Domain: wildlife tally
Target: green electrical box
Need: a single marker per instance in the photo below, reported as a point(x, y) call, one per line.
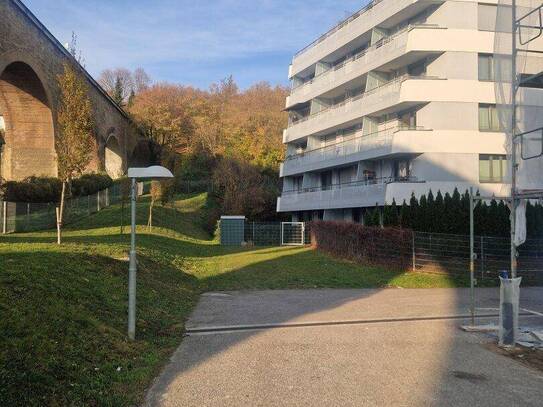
point(232, 230)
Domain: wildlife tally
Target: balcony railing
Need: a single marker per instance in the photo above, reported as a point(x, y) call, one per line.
point(338, 27)
point(391, 86)
point(359, 143)
point(354, 184)
point(368, 51)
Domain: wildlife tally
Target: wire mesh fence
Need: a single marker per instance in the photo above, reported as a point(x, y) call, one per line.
point(267, 233)
point(450, 254)
point(28, 217)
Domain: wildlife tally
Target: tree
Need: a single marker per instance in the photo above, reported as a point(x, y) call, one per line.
point(118, 92)
point(74, 50)
point(75, 144)
point(122, 84)
point(390, 215)
point(405, 220)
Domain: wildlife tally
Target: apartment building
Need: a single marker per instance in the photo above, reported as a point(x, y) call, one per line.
point(397, 99)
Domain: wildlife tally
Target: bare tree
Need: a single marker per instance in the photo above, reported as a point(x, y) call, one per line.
point(122, 84)
point(73, 49)
point(142, 81)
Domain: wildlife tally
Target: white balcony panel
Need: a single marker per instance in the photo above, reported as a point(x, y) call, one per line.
point(394, 141)
point(399, 93)
point(417, 39)
point(370, 195)
point(348, 197)
point(354, 28)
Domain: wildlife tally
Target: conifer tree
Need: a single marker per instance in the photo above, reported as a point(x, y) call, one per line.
point(405, 221)
point(439, 213)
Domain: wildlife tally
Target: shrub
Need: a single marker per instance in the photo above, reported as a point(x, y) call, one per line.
point(89, 184)
point(45, 190)
point(362, 244)
point(32, 189)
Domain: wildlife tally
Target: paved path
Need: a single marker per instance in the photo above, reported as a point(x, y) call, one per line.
point(345, 348)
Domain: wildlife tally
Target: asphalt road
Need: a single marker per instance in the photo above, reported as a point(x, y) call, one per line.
point(346, 348)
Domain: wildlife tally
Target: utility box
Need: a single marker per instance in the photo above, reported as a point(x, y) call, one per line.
point(232, 230)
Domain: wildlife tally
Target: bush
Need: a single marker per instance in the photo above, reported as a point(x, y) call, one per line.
point(89, 184)
point(32, 189)
point(362, 244)
point(45, 190)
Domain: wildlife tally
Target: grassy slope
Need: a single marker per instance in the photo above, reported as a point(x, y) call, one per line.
point(62, 331)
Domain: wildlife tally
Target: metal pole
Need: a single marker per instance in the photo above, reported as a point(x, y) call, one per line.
point(132, 268)
point(514, 89)
point(471, 257)
point(414, 253)
point(482, 257)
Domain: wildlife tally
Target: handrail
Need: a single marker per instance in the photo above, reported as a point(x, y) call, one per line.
point(373, 135)
point(379, 44)
point(339, 26)
point(394, 81)
point(365, 182)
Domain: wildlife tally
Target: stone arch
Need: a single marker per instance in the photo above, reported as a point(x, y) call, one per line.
point(113, 157)
point(29, 133)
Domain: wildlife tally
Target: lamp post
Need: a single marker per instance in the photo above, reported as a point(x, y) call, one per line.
point(150, 173)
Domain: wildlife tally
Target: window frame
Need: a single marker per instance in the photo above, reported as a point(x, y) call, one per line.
point(490, 159)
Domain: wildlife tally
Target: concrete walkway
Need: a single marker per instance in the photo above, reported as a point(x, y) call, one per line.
point(345, 348)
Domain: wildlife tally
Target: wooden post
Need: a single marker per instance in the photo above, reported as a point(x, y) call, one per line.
point(4, 217)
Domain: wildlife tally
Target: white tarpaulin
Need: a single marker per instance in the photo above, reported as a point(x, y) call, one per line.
point(520, 231)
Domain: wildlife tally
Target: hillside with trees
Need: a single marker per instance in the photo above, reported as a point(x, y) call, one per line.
point(225, 139)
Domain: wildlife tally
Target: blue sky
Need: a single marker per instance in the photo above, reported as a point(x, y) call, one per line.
point(193, 42)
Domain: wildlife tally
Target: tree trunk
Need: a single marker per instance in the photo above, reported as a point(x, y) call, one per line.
point(150, 222)
point(122, 215)
point(60, 213)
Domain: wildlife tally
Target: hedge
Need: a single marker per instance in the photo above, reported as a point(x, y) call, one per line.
point(45, 190)
point(363, 244)
point(449, 214)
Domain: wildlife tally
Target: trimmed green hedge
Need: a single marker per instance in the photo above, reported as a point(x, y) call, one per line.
point(45, 190)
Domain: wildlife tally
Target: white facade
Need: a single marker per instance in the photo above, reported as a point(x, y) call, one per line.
point(399, 99)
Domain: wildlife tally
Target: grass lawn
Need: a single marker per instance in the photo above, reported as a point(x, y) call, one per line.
point(63, 308)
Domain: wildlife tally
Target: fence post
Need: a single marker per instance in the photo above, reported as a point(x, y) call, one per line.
point(482, 258)
point(98, 201)
point(4, 217)
point(414, 253)
point(27, 216)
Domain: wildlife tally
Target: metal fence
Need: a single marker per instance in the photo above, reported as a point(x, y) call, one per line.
point(272, 233)
point(450, 254)
point(28, 217)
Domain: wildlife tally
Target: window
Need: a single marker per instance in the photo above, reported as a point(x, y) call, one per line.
point(402, 169)
point(297, 183)
point(408, 120)
point(326, 180)
point(492, 168)
point(417, 69)
point(486, 67)
point(487, 17)
point(488, 118)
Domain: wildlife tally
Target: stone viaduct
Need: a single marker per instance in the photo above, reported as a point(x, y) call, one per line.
point(30, 60)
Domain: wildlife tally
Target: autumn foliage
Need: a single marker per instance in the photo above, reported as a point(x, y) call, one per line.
point(223, 121)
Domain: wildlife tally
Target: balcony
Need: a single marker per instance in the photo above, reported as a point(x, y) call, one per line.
point(361, 147)
point(386, 50)
point(356, 194)
point(371, 102)
point(375, 13)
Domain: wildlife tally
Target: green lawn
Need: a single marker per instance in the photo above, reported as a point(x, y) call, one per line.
point(63, 308)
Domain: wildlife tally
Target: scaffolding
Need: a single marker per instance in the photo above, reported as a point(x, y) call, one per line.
point(518, 70)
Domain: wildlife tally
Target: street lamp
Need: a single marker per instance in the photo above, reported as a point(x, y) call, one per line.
point(155, 172)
